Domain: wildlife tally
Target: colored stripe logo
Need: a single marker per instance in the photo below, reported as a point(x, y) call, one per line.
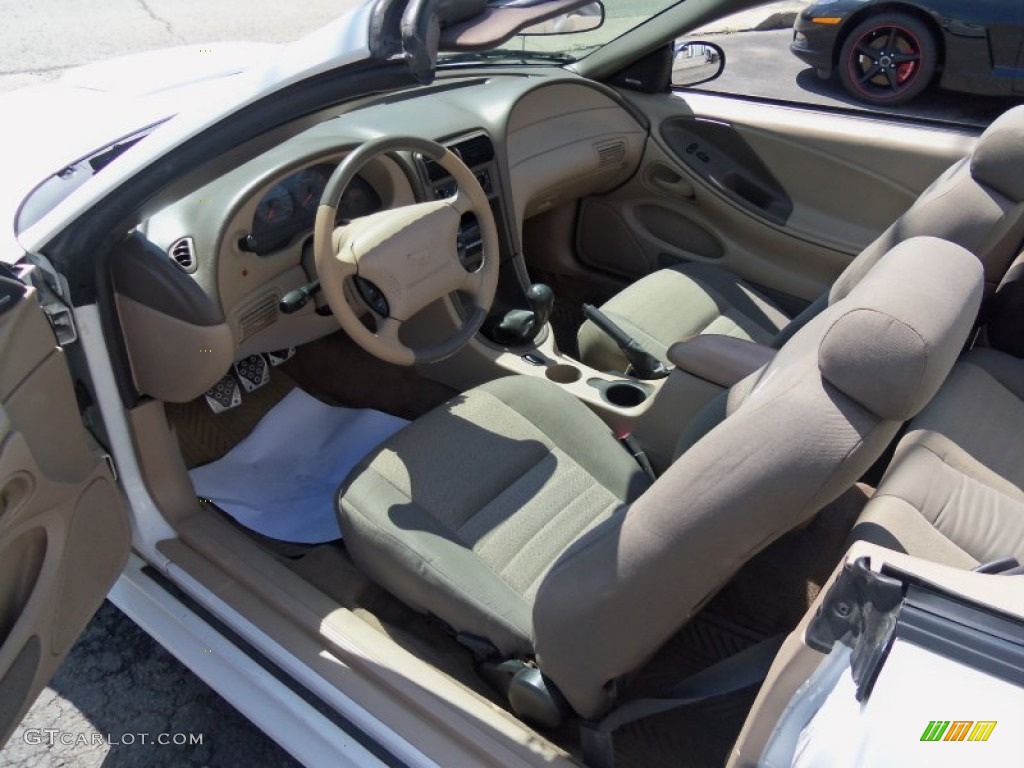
point(958, 730)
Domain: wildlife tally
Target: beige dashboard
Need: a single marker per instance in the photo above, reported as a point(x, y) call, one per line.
point(554, 139)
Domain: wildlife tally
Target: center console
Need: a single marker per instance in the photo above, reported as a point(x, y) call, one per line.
point(516, 339)
point(656, 412)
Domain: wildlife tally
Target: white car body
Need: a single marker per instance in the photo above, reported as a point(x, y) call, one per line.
point(117, 98)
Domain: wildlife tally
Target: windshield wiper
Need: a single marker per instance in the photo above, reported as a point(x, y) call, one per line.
point(519, 57)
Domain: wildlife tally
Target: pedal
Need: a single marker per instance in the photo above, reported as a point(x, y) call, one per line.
point(224, 395)
point(280, 356)
point(252, 372)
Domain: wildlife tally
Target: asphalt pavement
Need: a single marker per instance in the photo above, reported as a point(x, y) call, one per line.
point(117, 696)
point(39, 40)
point(759, 64)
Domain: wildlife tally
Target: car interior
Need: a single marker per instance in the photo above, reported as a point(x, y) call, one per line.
point(642, 367)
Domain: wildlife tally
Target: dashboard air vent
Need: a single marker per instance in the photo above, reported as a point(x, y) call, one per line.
point(183, 252)
point(474, 152)
point(611, 152)
point(258, 316)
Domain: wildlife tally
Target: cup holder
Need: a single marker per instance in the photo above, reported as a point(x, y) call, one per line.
point(624, 395)
point(563, 374)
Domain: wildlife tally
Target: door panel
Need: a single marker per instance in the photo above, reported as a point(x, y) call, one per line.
point(64, 532)
point(783, 196)
point(719, 155)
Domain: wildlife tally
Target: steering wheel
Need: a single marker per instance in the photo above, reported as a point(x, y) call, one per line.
point(403, 259)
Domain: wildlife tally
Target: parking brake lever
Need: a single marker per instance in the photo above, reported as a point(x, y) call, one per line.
point(643, 364)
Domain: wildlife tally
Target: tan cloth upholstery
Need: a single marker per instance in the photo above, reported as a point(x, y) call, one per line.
point(953, 492)
point(512, 513)
point(977, 203)
point(462, 512)
point(792, 444)
point(671, 305)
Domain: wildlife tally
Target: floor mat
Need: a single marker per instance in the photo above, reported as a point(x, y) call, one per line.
point(338, 371)
point(280, 481)
point(697, 736)
point(204, 437)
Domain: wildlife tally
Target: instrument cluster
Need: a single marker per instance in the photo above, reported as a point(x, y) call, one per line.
point(287, 211)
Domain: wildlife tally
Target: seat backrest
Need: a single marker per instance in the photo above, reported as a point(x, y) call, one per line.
point(977, 203)
point(796, 435)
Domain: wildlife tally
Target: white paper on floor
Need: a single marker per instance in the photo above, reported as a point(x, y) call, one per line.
point(281, 480)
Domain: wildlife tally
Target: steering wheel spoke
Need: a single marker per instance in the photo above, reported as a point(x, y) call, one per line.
point(473, 282)
point(388, 329)
point(461, 202)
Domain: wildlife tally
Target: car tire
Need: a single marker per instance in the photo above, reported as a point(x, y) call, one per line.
point(888, 59)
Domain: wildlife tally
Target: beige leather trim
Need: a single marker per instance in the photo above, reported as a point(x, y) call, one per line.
point(565, 142)
point(871, 173)
point(162, 467)
point(64, 530)
point(722, 360)
point(171, 359)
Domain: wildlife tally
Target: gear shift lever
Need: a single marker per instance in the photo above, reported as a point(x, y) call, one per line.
point(542, 301)
point(521, 326)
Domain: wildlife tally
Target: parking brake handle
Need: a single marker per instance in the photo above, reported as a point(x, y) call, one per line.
point(643, 364)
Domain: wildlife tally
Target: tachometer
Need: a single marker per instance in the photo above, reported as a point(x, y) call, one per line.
point(275, 208)
point(360, 199)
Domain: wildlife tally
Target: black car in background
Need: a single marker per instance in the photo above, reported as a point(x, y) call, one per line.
point(888, 52)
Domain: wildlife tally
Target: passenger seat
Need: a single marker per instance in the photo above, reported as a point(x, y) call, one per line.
point(954, 491)
point(978, 203)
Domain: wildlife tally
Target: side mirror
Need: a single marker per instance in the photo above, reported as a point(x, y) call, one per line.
point(585, 19)
point(695, 63)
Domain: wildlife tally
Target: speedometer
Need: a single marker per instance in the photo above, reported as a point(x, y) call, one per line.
point(309, 186)
point(275, 208)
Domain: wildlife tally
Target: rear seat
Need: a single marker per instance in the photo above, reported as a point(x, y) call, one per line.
point(954, 492)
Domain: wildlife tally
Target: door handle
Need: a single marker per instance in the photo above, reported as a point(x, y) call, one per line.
point(751, 194)
point(669, 182)
point(14, 491)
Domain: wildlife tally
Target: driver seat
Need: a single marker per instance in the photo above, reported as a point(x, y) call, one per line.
point(513, 514)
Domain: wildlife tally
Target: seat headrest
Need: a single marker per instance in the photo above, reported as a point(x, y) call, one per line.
point(896, 336)
point(998, 157)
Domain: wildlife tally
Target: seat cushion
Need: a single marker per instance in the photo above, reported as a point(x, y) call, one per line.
point(674, 304)
point(462, 512)
point(953, 492)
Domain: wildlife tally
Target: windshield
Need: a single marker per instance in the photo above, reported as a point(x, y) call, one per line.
point(620, 17)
